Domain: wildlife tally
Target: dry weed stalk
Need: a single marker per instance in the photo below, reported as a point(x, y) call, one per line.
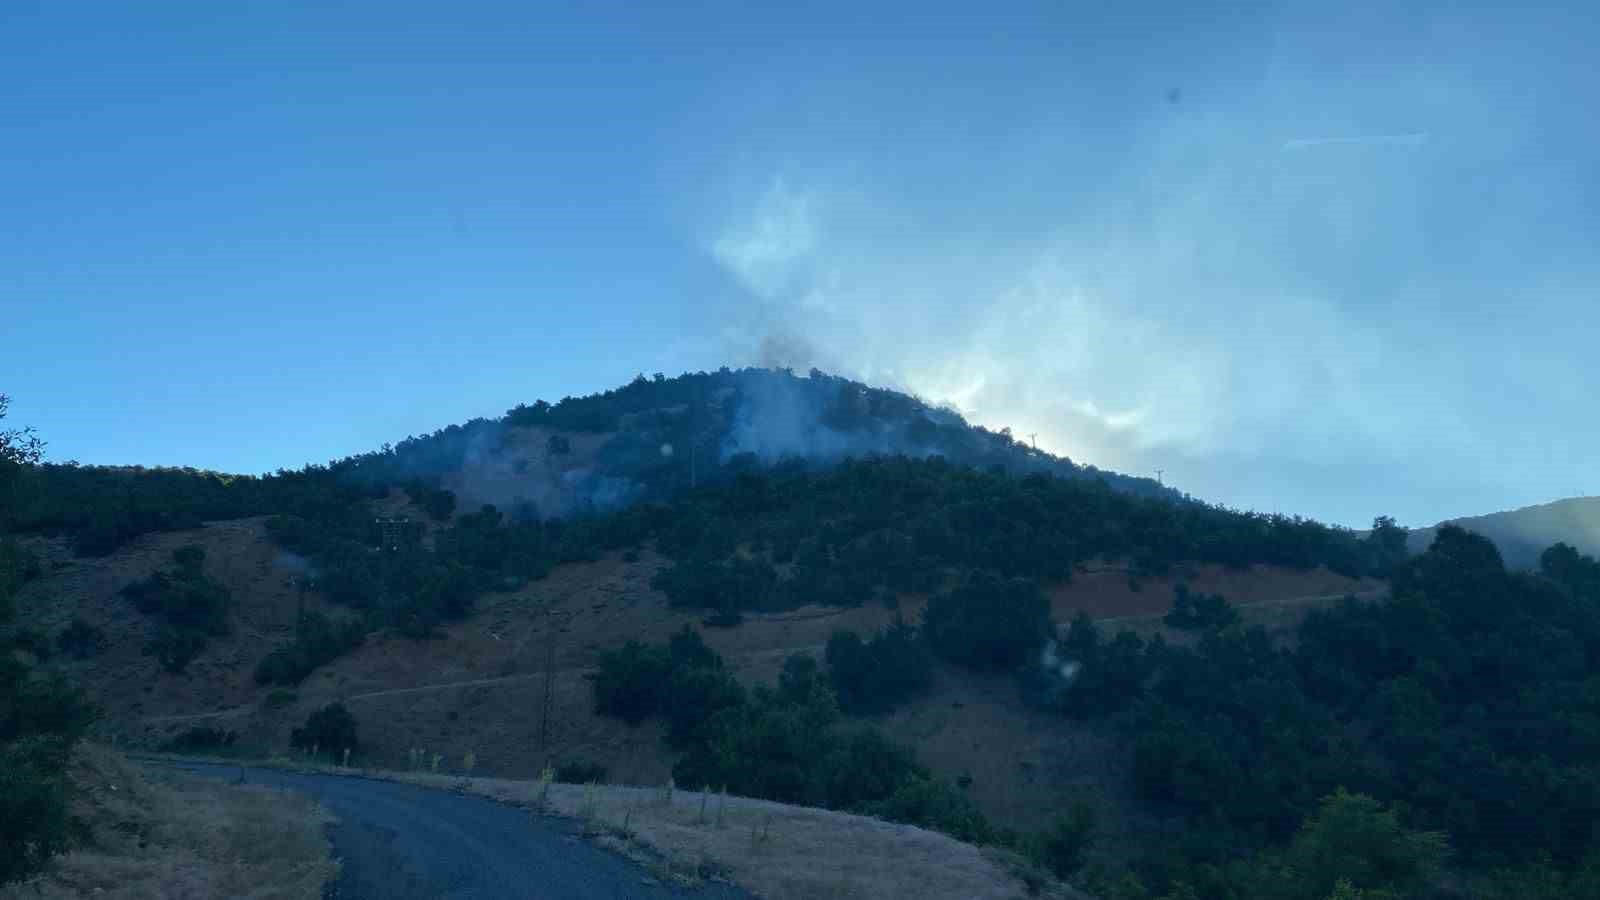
point(590, 808)
point(545, 777)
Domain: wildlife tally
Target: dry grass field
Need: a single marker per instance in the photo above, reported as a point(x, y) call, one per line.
point(157, 834)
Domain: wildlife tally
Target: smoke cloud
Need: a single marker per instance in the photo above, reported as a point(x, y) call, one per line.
point(295, 564)
point(1389, 313)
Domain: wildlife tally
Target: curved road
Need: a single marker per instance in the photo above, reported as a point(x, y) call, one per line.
point(407, 842)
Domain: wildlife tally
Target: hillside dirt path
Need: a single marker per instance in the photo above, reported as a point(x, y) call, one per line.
point(1309, 600)
point(754, 656)
point(471, 682)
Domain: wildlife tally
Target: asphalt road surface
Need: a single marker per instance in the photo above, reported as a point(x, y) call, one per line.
point(406, 842)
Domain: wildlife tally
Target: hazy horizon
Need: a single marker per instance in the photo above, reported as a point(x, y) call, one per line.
point(1299, 258)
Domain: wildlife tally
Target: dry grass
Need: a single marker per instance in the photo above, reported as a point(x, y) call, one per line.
point(773, 850)
point(155, 834)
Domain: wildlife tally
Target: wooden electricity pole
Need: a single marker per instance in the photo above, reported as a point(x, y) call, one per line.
point(549, 685)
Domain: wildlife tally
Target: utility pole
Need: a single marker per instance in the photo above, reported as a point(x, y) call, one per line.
point(1034, 440)
point(549, 679)
point(1159, 473)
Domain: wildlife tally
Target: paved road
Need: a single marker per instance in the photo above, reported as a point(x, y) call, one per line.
point(406, 842)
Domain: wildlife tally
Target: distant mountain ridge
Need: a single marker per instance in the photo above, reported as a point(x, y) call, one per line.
point(1522, 534)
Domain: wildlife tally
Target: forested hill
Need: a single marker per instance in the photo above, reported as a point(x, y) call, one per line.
point(648, 441)
point(655, 436)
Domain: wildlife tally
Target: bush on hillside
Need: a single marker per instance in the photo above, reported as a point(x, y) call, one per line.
point(81, 640)
point(1082, 675)
point(331, 730)
point(31, 640)
point(318, 641)
point(988, 623)
point(278, 698)
point(34, 804)
point(174, 649)
point(438, 504)
point(631, 682)
point(201, 739)
point(777, 743)
point(921, 799)
point(1193, 611)
point(580, 771)
point(694, 695)
point(1062, 848)
point(191, 606)
point(683, 681)
point(875, 675)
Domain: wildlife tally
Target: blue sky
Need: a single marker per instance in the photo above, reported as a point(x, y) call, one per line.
point(1307, 257)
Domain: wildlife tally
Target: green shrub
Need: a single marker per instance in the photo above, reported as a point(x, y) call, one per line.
point(579, 771)
point(1084, 676)
point(874, 676)
point(318, 641)
point(989, 622)
point(933, 803)
point(631, 682)
point(1061, 849)
point(192, 606)
point(1194, 611)
point(694, 694)
point(40, 717)
point(175, 649)
point(201, 739)
point(683, 680)
point(34, 803)
point(278, 698)
point(330, 729)
point(81, 640)
point(437, 503)
point(32, 640)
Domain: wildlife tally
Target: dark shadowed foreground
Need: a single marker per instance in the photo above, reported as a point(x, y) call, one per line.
point(405, 842)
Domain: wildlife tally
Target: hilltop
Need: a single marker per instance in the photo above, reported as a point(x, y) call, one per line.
point(1522, 534)
point(657, 436)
